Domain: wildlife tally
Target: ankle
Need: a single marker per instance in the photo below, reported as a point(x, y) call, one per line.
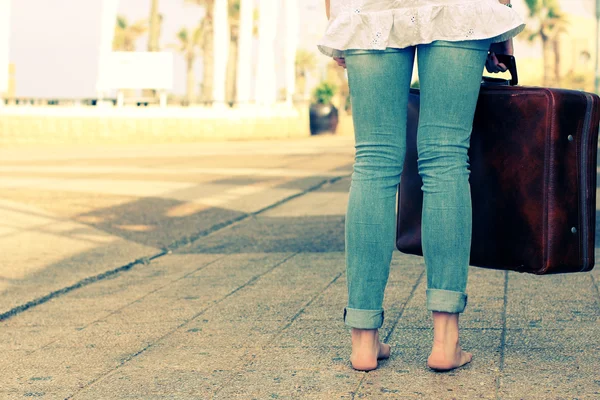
point(445, 343)
point(368, 335)
point(364, 332)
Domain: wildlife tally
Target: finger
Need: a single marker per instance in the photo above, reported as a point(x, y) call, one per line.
point(340, 61)
point(494, 63)
point(490, 66)
point(498, 66)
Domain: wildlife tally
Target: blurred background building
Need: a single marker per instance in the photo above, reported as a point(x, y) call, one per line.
point(54, 46)
point(229, 53)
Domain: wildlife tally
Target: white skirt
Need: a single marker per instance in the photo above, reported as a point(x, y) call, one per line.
point(378, 24)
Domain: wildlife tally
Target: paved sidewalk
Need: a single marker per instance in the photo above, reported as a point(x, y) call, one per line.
point(251, 308)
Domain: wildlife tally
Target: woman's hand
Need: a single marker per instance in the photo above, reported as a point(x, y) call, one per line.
point(492, 64)
point(341, 61)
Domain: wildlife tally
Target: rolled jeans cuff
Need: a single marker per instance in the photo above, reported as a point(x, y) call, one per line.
point(363, 319)
point(446, 301)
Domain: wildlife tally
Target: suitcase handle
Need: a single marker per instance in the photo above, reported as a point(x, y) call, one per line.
point(511, 64)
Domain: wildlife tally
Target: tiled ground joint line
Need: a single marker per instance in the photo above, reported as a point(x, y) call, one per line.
point(279, 332)
point(231, 223)
point(502, 337)
point(160, 339)
point(137, 300)
point(82, 283)
point(597, 290)
point(301, 311)
point(178, 244)
point(403, 307)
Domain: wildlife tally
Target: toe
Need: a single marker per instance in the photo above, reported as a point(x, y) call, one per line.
point(384, 350)
point(467, 358)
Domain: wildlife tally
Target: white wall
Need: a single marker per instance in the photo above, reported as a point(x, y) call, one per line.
point(54, 45)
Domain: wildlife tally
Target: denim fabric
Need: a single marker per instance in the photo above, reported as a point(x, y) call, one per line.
point(450, 76)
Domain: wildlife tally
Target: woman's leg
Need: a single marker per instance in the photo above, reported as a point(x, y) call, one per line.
point(379, 84)
point(450, 79)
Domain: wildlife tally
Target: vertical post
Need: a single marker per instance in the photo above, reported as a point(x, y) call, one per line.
point(4, 47)
point(154, 29)
point(244, 67)
point(120, 98)
point(267, 31)
point(107, 35)
point(291, 46)
point(221, 50)
point(597, 81)
point(163, 99)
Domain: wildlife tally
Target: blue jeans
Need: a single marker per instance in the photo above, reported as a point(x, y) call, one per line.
point(450, 77)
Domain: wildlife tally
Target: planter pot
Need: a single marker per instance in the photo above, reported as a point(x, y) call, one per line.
point(323, 118)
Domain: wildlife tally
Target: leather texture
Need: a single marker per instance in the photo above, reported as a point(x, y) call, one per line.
point(533, 180)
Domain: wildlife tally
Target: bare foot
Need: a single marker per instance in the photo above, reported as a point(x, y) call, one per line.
point(367, 349)
point(445, 357)
point(446, 353)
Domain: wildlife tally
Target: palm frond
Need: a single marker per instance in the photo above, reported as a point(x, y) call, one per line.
point(183, 35)
point(121, 22)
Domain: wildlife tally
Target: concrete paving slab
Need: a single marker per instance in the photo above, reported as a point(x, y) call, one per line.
point(552, 287)
point(564, 339)
point(12, 357)
point(266, 235)
point(537, 313)
point(290, 384)
point(295, 268)
point(313, 204)
point(471, 338)
point(207, 331)
point(408, 382)
point(155, 382)
point(408, 377)
point(550, 373)
point(330, 304)
point(45, 248)
point(127, 338)
point(59, 371)
point(276, 358)
point(102, 299)
point(29, 338)
point(255, 310)
point(315, 333)
point(65, 205)
point(122, 339)
point(204, 359)
point(485, 289)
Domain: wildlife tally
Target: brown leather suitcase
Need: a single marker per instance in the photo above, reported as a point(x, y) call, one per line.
point(533, 180)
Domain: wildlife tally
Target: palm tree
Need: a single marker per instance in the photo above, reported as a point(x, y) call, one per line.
point(234, 35)
point(155, 27)
point(189, 45)
point(126, 35)
point(306, 63)
point(232, 63)
point(549, 23)
point(207, 47)
point(155, 23)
